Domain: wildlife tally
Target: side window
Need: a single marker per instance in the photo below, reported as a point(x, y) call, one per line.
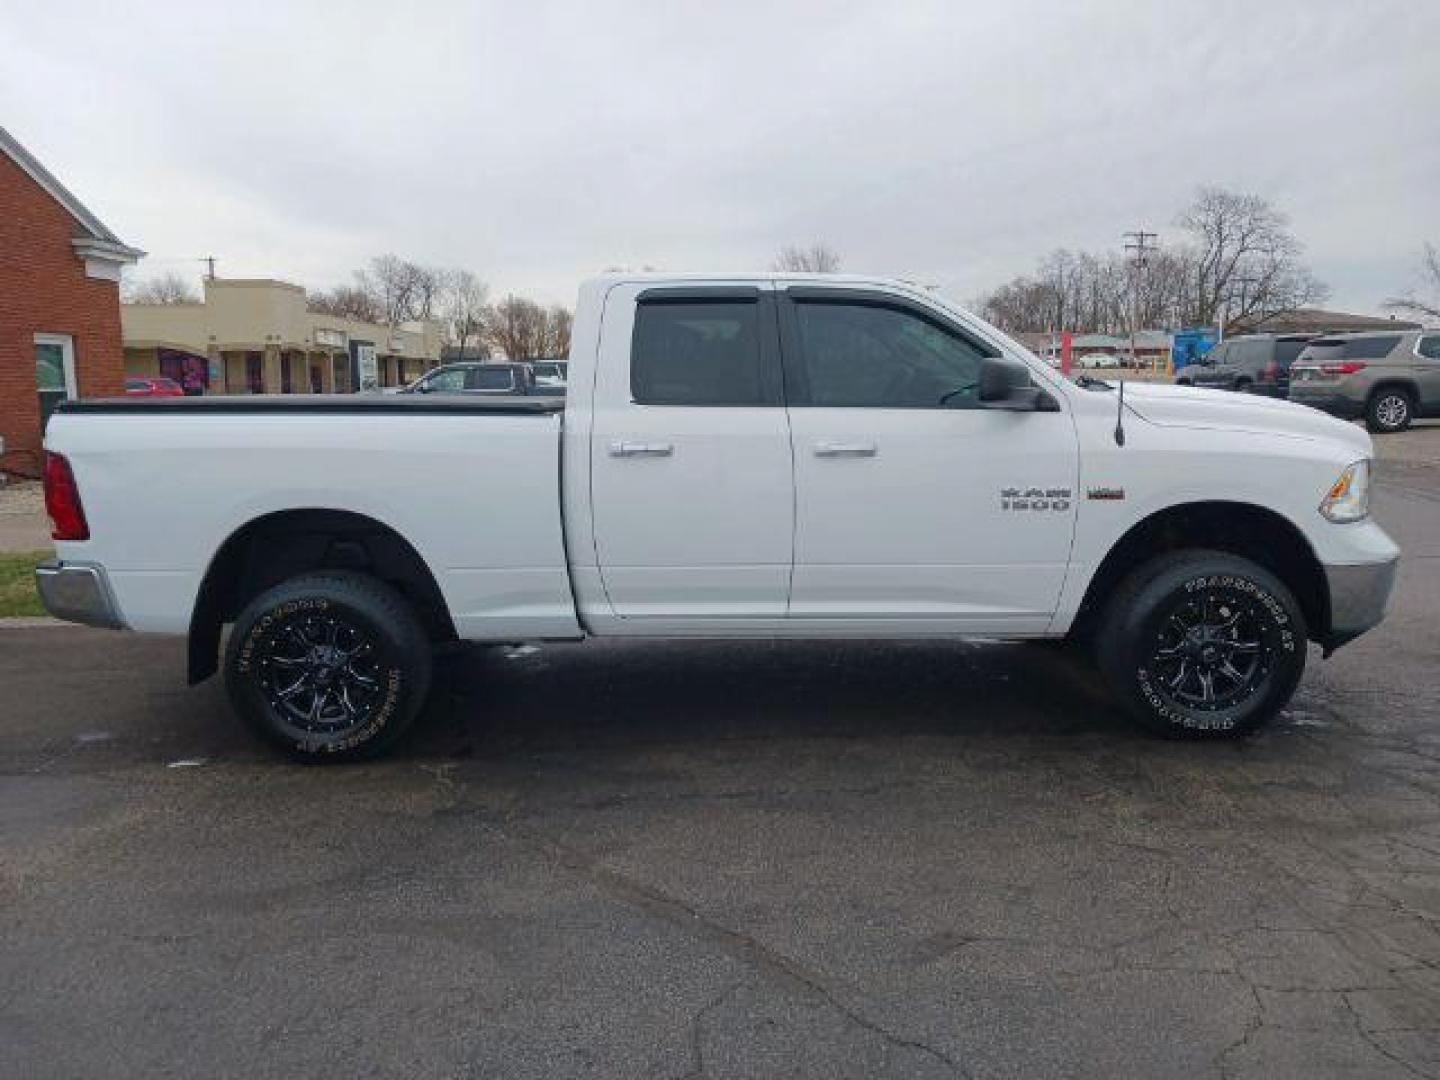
point(870, 355)
point(1429, 347)
point(1217, 355)
point(698, 352)
point(495, 378)
point(1370, 348)
point(446, 382)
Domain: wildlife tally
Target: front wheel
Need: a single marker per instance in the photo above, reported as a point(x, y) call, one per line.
point(1201, 644)
point(330, 666)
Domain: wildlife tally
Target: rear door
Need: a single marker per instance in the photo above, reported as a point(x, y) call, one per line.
point(691, 481)
point(915, 508)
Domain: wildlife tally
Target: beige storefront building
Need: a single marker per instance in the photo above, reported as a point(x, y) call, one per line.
point(256, 336)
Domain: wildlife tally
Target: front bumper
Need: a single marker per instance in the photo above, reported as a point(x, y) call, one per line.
point(78, 593)
point(1358, 595)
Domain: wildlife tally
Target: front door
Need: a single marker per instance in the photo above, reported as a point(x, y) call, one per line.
point(915, 507)
point(691, 479)
point(54, 372)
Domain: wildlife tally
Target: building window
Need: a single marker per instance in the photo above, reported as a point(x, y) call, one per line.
point(286, 386)
point(54, 372)
point(255, 373)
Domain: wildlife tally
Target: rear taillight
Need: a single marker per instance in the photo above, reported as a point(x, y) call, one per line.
point(1348, 367)
point(62, 501)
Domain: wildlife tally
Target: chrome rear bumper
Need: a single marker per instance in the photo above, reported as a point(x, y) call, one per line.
point(78, 593)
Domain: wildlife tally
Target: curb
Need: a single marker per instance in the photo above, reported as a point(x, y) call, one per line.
point(32, 622)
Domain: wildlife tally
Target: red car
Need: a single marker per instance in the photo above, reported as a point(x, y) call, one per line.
point(153, 388)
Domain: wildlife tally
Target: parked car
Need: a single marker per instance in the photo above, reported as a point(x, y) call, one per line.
point(1252, 363)
point(550, 374)
point(1100, 360)
point(1388, 377)
point(153, 387)
point(476, 378)
point(763, 456)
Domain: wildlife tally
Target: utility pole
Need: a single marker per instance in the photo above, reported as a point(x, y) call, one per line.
point(1140, 243)
point(209, 261)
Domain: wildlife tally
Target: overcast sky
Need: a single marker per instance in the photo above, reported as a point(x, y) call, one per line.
point(949, 142)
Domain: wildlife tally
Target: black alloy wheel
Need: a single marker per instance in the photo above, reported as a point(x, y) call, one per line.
point(330, 666)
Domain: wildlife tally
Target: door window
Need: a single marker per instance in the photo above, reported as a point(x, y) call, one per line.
point(482, 378)
point(698, 352)
point(451, 381)
point(873, 355)
point(1429, 347)
point(54, 372)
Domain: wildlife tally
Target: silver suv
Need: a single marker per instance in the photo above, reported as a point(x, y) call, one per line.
point(1388, 377)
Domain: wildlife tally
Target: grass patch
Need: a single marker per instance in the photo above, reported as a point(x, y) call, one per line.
point(17, 583)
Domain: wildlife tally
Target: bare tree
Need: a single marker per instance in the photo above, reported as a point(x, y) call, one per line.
point(347, 302)
point(1426, 307)
point(167, 288)
point(523, 330)
point(558, 322)
point(462, 301)
point(818, 258)
point(1246, 260)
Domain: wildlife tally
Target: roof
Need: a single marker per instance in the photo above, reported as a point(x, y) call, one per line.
point(1318, 321)
point(98, 240)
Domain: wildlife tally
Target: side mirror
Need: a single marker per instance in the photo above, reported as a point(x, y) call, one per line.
point(1005, 384)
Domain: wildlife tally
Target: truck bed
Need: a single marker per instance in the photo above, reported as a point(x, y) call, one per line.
point(472, 485)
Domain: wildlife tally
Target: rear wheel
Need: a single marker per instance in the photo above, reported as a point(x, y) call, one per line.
point(328, 666)
point(1201, 644)
point(1389, 409)
point(1243, 386)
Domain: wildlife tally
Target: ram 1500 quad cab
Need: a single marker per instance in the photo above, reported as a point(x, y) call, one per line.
point(776, 456)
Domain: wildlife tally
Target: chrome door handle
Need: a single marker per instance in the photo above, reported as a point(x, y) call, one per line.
point(641, 449)
point(825, 448)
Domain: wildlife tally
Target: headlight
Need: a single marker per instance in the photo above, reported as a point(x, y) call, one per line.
point(1349, 497)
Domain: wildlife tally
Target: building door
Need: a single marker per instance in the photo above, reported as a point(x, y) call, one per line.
point(54, 372)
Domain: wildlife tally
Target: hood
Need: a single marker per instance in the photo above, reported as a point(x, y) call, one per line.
point(1224, 410)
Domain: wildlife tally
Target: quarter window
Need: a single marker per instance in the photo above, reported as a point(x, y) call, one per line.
point(876, 356)
point(1430, 346)
point(697, 352)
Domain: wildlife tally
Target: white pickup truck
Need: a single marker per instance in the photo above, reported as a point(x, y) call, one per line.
point(738, 456)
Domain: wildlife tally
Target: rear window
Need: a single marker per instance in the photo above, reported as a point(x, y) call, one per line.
point(697, 352)
point(1370, 348)
point(1321, 349)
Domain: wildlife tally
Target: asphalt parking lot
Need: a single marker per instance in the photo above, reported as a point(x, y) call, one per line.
point(730, 860)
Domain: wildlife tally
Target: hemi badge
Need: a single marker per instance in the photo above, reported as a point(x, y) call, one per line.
point(1105, 493)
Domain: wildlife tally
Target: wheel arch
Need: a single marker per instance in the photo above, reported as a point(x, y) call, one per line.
point(1394, 382)
point(1250, 531)
point(279, 545)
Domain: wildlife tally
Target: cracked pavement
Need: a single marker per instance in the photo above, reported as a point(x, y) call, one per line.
point(682, 860)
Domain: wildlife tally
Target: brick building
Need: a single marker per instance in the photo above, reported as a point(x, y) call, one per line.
point(59, 303)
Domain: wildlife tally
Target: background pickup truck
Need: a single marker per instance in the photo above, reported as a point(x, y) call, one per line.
point(767, 455)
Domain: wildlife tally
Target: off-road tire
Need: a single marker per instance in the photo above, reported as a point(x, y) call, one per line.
point(354, 644)
point(1202, 608)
